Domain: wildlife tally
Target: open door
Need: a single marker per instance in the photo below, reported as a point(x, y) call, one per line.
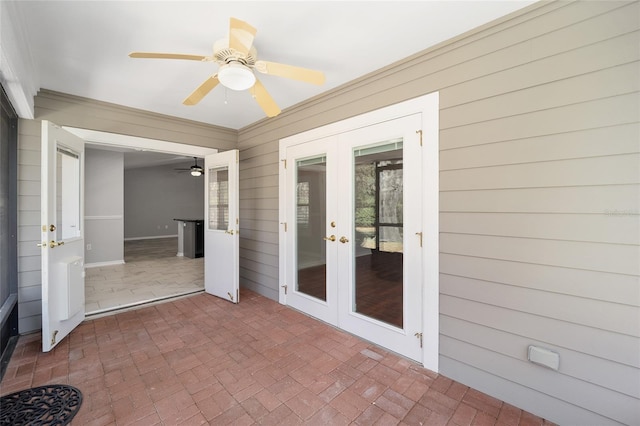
point(62, 242)
point(221, 240)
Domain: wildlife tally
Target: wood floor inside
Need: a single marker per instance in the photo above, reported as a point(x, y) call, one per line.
point(378, 285)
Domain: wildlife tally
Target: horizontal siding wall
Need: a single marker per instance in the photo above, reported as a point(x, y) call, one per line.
point(75, 111)
point(67, 110)
point(29, 262)
point(539, 196)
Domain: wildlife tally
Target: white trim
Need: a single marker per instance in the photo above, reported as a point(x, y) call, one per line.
point(17, 73)
point(138, 143)
point(412, 106)
point(155, 237)
point(100, 264)
point(105, 217)
point(428, 106)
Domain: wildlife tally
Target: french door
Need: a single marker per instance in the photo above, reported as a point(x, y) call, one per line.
point(221, 237)
point(62, 236)
point(354, 233)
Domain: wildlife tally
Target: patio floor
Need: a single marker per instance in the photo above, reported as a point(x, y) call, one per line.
point(202, 360)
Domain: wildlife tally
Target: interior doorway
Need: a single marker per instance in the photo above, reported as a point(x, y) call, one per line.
point(149, 269)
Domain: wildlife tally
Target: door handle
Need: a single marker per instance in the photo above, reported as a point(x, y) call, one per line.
point(331, 238)
point(53, 244)
point(44, 244)
point(229, 231)
point(344, 240)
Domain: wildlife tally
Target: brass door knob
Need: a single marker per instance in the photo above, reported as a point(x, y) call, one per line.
point(331, 238)
point(344, 240)
point(53, 244)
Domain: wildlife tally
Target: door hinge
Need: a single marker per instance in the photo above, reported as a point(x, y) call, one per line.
point(419, 132)
point(284, 162)
point(285, 289)
point(419, 336)
point(419, 234)
point(285, 225)
point(237, 156)
point(237, 295)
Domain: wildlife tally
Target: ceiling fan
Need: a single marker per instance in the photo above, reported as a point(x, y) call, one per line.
point(195, 170)
point(237, 58)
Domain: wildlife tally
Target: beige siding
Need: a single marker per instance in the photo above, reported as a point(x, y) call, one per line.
point(74, 111)
point(29, 280)
point(539, 196)
point(67, 110)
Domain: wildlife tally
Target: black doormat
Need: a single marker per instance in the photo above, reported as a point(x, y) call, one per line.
point(44, 405)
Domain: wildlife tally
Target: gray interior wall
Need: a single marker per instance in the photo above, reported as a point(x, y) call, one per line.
point(68, 110)
point(104, 207)
point(154, 196)
point(539, 174)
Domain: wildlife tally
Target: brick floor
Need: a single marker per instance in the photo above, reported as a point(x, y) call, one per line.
point(202, 360)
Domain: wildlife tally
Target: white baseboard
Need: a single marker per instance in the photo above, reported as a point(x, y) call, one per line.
point(99, 264)
point(151, 238)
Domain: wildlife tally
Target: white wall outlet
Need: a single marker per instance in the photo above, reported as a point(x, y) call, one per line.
point(88, 247)
point(544, 357)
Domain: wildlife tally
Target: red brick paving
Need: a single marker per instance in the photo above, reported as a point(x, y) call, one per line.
point(201, 360)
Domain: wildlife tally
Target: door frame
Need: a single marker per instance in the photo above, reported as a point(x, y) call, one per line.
point(106, 139)
point(428, 106)
point(135, 142)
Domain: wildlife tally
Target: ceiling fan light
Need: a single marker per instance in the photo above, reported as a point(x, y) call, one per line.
point(196, 172)
point(236, 76)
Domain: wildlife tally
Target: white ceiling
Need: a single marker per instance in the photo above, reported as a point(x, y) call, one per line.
point(81, 47)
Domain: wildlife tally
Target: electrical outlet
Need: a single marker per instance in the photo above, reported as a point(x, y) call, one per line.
point(166, 227)
point(88, 247)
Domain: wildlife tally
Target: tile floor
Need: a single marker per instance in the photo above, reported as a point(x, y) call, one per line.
point(202, 360)
point(152, 271)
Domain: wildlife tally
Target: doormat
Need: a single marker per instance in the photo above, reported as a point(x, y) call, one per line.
point(44, 405)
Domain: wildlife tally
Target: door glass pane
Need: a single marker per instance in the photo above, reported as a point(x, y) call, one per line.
point(311, 179)
point(378, 200)
point(218, 199)
point(67, 194)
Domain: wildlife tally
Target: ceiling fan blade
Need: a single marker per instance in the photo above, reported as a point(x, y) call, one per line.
point(265, 100)
point(289, 71)
point(202, 90)
point(241, 35)
point(153, 55)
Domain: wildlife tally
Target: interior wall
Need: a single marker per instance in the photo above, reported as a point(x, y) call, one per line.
point(154, 196)
point(104, 207)
point(539, 188)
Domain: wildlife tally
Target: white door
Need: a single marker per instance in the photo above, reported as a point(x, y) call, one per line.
point(221, 239)
point(62, 175)
point(311, 187)
point(380, 237)
point(354, 232)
